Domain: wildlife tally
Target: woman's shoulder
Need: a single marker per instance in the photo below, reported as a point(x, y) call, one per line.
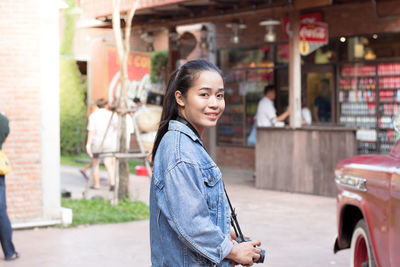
point(176, 146)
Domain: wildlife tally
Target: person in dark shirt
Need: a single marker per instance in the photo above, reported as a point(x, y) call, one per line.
point(322, 109)
point(322, 103)
point(5, 225)
point(4, 129)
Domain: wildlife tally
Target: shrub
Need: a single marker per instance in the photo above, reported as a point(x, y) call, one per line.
point(158, 66)
point(72, 106)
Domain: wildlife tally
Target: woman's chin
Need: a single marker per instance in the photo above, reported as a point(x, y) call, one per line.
point(210, 123)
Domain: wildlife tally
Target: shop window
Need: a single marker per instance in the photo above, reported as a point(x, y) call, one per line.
point(282, 54)
point(369, 47)
point(246, 58)
point(246, 73)
point(323, 55)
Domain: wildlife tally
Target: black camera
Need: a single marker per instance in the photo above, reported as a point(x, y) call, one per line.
point(262, 253)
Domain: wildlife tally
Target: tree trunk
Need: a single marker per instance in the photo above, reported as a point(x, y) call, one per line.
point(123, 49)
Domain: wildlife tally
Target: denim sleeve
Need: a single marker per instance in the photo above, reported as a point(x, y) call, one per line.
point(187, 212)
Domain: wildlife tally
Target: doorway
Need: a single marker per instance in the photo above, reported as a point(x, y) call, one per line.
point(318, 92)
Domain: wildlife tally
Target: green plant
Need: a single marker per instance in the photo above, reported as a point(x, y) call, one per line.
point(72, 105)
point(100, 211)
point(159, 60)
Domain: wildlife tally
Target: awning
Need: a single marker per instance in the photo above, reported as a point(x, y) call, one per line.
point(181, 12)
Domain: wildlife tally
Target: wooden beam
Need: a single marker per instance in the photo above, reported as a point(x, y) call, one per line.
point(295, 71)
point(307, 4)
point(213, 16)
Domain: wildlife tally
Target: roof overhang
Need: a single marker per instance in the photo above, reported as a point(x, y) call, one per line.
point(183, 12)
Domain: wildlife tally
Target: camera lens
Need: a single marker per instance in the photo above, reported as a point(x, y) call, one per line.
point(262, 256)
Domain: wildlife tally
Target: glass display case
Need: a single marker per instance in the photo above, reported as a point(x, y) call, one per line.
point(243, 89)
point(369, 98)
point(246, 73)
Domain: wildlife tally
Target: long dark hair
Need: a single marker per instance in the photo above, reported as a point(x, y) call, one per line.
point(180, 80)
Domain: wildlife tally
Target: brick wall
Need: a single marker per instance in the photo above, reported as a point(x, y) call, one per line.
point(236, 157)
point(20, 101)
point(357, 19)
point(343, 20)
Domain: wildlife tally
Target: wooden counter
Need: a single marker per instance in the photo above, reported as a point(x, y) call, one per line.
point(302, 160)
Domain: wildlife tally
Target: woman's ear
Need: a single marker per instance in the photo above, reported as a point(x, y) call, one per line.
point(179, 98)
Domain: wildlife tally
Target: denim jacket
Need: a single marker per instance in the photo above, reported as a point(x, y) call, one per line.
point(189, 212)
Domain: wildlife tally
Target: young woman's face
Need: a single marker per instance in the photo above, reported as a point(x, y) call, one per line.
point(204, 101)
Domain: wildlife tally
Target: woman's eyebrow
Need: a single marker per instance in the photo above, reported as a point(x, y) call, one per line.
point(209, 89)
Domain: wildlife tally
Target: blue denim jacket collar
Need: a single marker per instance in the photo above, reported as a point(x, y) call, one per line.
point(180, 127)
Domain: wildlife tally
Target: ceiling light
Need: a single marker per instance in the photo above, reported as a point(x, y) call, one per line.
point(236, 27)
point(375, 36)
point(270, 36)
point(342, 39)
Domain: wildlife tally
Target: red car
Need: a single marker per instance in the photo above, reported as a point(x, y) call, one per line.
point(368, 209)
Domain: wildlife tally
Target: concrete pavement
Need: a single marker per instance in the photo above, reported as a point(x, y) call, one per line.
point(295, 229)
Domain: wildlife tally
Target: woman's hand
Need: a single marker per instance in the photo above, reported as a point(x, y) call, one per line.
point(234, 236)
point(245, 253)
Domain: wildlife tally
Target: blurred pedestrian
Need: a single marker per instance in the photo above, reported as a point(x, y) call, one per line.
point(189, 212)
point(322, 103)
point(5, 225)
point(306, 118)
point(266, 112)
point(139, 104)
point(102, 138)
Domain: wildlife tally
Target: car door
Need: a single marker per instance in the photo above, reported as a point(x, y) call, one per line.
point(394, 221)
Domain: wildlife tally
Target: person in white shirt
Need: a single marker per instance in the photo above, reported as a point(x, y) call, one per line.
point(306, 117)
point(102, 138)
point(266, 112)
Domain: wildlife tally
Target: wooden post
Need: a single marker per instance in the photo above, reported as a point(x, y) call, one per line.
point(173, 53)
point(295, 71)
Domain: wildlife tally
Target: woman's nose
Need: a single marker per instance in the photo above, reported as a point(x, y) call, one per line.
point(213, 102)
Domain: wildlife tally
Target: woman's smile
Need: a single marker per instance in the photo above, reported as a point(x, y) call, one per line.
point(212, 115)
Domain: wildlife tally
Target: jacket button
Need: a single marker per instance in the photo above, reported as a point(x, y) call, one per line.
point(210, 179)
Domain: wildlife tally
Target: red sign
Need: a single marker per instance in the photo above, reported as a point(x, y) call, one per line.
point(305, 18)
point(138, 67)
point(138, 64)
point(316, 32)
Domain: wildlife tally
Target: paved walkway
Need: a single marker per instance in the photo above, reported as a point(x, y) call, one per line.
point(295, 229)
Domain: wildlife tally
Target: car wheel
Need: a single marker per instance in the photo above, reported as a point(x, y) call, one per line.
point(361, 250)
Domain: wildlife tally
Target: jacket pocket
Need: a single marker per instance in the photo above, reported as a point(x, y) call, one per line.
point(212, 179)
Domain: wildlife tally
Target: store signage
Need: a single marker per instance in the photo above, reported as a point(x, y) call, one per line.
point(312, 36)
point(138, 73)
point(315, 32)
point(305, 18)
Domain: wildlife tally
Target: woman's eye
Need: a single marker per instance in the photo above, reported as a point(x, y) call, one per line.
point(220, 96)
point(204, 94)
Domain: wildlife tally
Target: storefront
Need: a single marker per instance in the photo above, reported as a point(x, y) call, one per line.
point(353, 81)
point(349, 84)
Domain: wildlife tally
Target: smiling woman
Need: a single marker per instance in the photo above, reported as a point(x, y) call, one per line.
point(204, 102)
point(189, 212)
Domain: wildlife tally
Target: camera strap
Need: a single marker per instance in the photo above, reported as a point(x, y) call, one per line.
point(234, 220)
